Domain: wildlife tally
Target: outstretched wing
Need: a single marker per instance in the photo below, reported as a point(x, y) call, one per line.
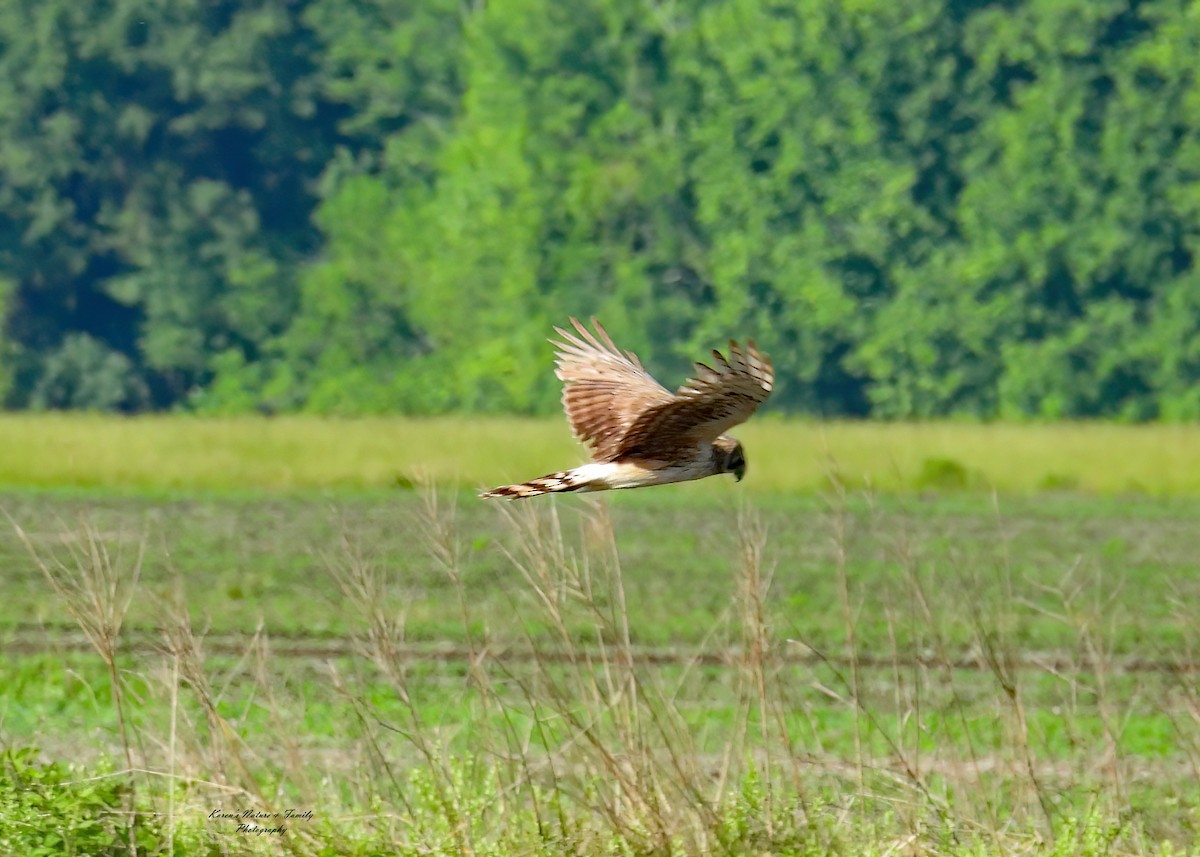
point(705, 407)
point(605, 390)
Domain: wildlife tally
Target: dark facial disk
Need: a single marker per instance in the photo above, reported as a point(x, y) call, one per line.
point(736, 463)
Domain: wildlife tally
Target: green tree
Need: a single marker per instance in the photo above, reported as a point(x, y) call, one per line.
point(919, 207)
point(555, 192)
point(156, 175)
point(817, 159)
point(1061, 295)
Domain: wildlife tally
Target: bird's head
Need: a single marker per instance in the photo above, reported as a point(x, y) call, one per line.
point(731, 456)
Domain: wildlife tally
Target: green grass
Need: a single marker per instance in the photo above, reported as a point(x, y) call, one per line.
point(786, 456)
point(710, 668)
point(898, 596)
point(245, 560)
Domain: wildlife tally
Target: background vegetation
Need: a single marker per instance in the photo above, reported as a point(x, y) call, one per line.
point(787, 458)
point(654, 673)
point(920, 207)
point(958, 638)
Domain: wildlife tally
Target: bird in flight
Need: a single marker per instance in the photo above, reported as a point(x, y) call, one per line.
point(639, 432)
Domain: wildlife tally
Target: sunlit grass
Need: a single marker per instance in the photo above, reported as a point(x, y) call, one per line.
point(875, 680)
point(786, 456)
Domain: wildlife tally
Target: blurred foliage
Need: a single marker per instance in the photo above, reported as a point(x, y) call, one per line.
point(49, 809)
point(919, 207)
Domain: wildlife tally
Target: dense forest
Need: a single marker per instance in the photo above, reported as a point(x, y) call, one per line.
point(919, 207)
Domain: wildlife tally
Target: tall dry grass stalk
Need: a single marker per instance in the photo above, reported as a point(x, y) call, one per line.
point(226, 757)
point(591, 745)
point(592, 722)
point(364, 585)
point(96, 587)
point(616, 737)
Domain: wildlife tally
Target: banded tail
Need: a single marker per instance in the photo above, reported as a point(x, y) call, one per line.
point(564, 480)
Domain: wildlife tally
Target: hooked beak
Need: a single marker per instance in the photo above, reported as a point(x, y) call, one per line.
point(739, 472)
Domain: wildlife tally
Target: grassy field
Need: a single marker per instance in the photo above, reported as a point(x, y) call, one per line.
point(786, 457)
point(267, 616)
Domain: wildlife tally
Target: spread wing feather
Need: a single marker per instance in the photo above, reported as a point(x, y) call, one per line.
point(605, 390)
point(617, 408)
point(711, 402)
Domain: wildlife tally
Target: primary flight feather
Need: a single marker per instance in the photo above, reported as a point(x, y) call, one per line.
point(639, 432)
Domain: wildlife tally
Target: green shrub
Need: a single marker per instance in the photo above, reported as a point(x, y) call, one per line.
point(943, 474)
point(47, 808)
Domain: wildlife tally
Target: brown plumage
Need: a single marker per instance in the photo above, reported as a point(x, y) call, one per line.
point(639, 432)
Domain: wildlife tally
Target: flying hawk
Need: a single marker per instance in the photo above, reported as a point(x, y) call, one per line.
point(639, 432)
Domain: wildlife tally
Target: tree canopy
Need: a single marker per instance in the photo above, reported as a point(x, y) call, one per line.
point(919, 207)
